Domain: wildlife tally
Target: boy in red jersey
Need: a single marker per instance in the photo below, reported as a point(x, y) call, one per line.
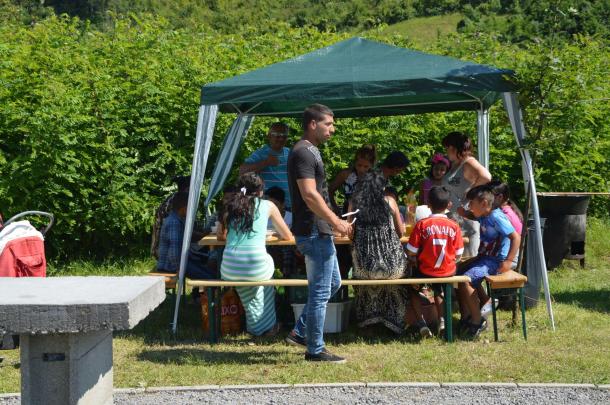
point(435, 245)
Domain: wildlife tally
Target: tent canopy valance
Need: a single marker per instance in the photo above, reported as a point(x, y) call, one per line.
point(359, 77)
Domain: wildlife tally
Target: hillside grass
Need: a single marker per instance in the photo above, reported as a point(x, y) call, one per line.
point(424, 30)
point(577, 352)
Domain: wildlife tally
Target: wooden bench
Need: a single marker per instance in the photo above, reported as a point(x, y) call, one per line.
point(212, 286)
point(170, 279)
point(509, 280)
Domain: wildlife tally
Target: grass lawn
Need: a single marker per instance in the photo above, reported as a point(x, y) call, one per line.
point(577, 352)
point(424, 30)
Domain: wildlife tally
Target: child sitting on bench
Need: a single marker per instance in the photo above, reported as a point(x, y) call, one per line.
point(435, 245)
point(497, 251)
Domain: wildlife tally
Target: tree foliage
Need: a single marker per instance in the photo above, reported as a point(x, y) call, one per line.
point(94, 123)
point(527, 19)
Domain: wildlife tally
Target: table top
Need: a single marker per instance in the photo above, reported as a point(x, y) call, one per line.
point(210, 240)
point(76, 304)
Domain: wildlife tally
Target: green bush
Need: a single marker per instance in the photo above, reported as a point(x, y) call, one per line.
point(93, 124)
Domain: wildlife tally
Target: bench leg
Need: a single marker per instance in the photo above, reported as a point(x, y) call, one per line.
point(448, 313)
point(183, 292)
point(218, 296)
point(522, 305)
point(211, 292)
point(493, 312)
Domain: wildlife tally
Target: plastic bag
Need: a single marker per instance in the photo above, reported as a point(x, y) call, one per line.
point(231, 313)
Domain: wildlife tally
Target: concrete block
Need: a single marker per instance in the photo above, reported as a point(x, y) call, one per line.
point(32, 305)
point(65, 326)
point(71, 368)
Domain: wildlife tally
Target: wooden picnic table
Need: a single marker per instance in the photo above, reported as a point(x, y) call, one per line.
point(212, 286)
point(211, 240)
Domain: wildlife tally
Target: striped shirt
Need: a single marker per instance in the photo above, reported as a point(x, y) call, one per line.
point(274, 176)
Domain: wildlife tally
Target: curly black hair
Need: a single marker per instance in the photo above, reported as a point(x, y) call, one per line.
point(368, 197)
point(240, 209)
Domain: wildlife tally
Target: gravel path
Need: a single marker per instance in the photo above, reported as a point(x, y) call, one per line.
point(380, 393)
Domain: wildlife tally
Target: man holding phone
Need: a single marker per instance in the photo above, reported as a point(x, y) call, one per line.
point(270, 161)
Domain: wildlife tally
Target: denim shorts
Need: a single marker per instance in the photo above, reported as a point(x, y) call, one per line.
point(482, 267)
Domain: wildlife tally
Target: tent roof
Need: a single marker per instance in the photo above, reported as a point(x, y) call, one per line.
point(358, 77)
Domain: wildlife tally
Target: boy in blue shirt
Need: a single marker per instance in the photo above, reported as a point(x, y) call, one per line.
point(498, 248)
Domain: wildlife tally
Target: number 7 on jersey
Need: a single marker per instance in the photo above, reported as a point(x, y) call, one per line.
point(441, 257)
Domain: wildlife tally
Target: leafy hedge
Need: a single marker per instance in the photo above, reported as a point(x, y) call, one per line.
point(94, 124)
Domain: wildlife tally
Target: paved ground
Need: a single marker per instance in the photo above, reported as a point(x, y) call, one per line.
point(359, 393)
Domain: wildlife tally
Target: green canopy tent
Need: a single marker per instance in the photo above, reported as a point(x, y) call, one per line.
point(355, 78)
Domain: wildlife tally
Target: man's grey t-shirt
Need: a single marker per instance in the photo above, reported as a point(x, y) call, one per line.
point(305, 162)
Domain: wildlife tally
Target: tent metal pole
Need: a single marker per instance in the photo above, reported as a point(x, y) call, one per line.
point(483, 137)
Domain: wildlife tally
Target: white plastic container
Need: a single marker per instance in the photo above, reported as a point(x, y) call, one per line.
point(337, 315)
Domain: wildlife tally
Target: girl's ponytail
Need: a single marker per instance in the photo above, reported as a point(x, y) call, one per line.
point(241, 208)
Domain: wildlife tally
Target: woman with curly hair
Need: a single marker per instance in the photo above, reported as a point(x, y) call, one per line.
point(244, 227)
point(378, 254)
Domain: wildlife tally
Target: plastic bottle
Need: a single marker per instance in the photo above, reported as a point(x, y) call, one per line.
point(411, 204)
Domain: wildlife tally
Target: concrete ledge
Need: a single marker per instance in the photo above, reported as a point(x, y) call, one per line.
point(326, 385)
point(479, 384)
point(255, 387)
point(10, 395)
point(183, 388)
point(129, 390)
point(555, 385)
point(603, 386)
point(403, 384)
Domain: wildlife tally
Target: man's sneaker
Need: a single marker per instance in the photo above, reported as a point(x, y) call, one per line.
point(325, 356)
point(295, 340)
point(475, 330)
point(486, 309)
point(424, 330)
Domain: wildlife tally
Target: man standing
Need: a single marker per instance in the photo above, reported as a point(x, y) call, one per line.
point(270, 161)
point(313, 222)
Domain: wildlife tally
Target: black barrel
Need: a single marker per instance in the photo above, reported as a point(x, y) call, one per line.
point(565, 227)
